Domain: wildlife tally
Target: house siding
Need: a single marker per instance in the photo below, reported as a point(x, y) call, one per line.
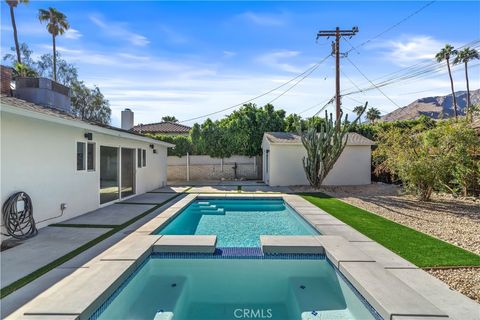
point(39, 158)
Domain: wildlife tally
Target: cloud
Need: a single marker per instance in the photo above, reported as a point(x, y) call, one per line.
point(265, 20)
point(276, 60)
point(412, 50)
point(73, 34)
point(119, 30)
point(229, 54)
point(172, 35)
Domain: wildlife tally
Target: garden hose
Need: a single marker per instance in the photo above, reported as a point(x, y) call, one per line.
point(19, 223)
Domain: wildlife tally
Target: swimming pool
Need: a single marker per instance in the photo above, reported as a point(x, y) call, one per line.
point(238, 222)
point(275, 287)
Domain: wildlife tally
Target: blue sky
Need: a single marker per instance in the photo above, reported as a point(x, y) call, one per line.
point(191, 58)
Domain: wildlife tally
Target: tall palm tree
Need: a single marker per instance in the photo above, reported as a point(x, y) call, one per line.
point(444, 55)
point(57, 24)
point(465, 56)
point(373, 114)
point(13, 4)
point(358, 110)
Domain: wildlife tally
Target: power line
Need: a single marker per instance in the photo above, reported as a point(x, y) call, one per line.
point(373, 84)
point(301, 79)
point(392, 27)
point(307, 71)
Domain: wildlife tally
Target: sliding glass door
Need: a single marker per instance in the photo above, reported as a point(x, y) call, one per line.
point(128, 172)
point(109, 188)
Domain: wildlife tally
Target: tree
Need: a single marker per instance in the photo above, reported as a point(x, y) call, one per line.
point(13, 4)
point(324, 147)
point(169, 119)
point(25, 55)
point(373, 114)
point(465, 56)
point(358, 110)
point(57, 24)
point(90, 104)
point(444, 55)
point(67, 74)
point(21, 70)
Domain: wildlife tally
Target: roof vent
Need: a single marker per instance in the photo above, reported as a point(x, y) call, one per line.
point(44, 92)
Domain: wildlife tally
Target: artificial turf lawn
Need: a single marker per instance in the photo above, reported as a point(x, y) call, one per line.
point(418, 248)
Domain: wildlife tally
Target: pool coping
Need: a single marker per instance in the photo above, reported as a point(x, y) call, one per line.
point(373, 272)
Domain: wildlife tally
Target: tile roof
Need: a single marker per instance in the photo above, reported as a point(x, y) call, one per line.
point(354, 139)
point(162, 127)
point(22, 104)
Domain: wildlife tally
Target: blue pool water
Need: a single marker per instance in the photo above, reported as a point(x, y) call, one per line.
point(213, 289)
point(238, 222)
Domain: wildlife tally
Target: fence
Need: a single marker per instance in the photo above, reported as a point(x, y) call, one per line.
point(207, 168)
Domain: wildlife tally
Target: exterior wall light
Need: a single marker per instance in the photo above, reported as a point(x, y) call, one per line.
point(88, 136)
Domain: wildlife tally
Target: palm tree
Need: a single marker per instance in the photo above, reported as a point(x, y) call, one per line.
point(373, 114)
point(57, 25)
point(13, 4)
point(358, 110)
point(445, 54)
point(21, 70)
point(465, 56)
point(169, 119)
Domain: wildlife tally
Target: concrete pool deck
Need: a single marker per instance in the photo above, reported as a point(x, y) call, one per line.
point(394, 287)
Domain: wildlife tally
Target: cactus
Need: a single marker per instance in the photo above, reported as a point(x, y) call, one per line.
point(325, 147)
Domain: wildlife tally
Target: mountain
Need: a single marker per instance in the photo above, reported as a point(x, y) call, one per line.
point(434, 107)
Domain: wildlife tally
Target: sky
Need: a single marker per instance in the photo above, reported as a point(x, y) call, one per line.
point(189, 59)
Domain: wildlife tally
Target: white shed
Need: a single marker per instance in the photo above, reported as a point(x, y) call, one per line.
point(283, 153)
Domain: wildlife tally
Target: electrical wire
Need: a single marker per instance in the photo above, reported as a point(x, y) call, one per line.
point(373, 84)
point(302, 76)
point(392, 26)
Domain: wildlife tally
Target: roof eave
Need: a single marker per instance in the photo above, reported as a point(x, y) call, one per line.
point(79, 124)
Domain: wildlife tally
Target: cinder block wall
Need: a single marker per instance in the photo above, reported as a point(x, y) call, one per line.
point(208, 168)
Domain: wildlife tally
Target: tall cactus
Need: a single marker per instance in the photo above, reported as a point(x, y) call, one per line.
point(324, 147)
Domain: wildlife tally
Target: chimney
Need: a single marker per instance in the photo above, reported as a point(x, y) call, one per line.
point(44, 92)
point(6, 80)
point(127, 119)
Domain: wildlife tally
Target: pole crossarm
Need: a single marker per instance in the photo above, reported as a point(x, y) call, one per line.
point(337, 33)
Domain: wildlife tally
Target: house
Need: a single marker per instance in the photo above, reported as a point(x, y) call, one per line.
point(165, 128)
point(283, 153)
point(66, 165)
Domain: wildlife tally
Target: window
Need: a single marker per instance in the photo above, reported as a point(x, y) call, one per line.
point(80, 156)
point(91, 156)
point(144, 158)
point(139, 158)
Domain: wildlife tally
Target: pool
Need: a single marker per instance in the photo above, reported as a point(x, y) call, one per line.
point(238, 222)
point(174, 286)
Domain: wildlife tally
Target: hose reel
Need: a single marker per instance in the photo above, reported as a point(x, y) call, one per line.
point(18, 216)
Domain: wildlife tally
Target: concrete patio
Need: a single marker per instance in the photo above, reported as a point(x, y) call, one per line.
point(54, 242)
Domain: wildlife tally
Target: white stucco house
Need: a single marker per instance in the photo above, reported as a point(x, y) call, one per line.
point(66, 165)
point(283, 153)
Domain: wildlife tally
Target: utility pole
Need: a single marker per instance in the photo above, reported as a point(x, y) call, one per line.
point(337, 33)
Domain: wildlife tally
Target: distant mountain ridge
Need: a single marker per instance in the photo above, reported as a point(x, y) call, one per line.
point(434, 107)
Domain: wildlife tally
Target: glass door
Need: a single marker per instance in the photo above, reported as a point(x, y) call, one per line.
point(128, 172)
point(109, 188)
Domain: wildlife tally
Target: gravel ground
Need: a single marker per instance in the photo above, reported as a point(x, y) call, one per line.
point(454, 220)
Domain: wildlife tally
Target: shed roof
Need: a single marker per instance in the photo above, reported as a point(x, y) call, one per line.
point(52, 113)
point(354, 139)
point(162, 127)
